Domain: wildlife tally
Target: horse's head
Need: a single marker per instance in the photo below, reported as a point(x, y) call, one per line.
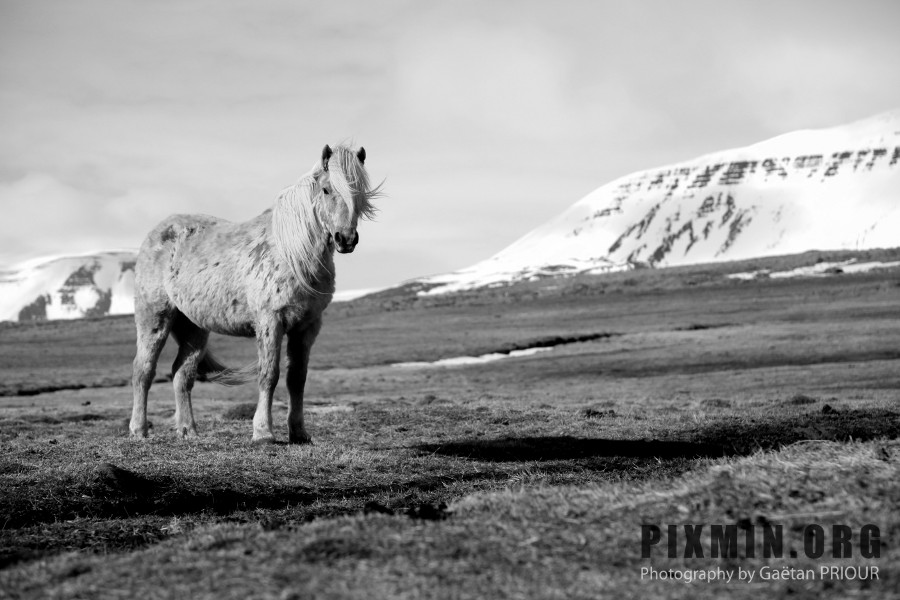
point(323, 207)
point(343, 195)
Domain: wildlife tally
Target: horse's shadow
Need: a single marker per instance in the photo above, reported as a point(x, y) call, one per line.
point(724, 438)
point(566, 448)
point(117, 494)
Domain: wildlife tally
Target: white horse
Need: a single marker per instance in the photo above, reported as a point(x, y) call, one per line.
point(268, 277)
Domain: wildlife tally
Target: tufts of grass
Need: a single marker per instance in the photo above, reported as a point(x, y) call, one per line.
point(240, 412)
point(526, 541)
point(521, 478)
point(386, 454)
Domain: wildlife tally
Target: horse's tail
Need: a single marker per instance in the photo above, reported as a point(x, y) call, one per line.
point(213, 371)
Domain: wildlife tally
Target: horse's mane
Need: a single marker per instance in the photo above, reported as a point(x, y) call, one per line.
point(296, 229)
point(354, 181)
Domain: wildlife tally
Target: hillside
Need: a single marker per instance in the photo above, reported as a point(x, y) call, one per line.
point(69, 287)
point(830, 189)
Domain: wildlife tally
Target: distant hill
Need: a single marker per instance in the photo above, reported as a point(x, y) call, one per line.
point(829, 189)
point(72, 287)
point(69, 287)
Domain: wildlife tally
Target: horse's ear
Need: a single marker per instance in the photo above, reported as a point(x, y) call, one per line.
point(361, 155)
point(326, 154)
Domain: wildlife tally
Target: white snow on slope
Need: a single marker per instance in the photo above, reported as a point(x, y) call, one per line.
point(69, 287)
point(458, 361)
point(827, 189)
point(348, 295)
point(82, 285)
point(821, 269)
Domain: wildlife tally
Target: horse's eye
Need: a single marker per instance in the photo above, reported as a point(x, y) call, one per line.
point(326, 191)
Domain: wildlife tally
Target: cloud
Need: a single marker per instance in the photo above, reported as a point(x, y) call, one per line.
point(513, 80)
point(796, 83)
point(43, 215)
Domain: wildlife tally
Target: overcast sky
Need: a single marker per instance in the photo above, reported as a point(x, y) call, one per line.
point(485, 118)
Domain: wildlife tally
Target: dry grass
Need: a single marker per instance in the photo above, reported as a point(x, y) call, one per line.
point(522, 541)
point(709, 406)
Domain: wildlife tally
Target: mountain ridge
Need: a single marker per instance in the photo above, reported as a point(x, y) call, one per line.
point(834, 188)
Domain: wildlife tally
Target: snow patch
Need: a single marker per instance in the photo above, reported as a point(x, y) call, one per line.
point(348, 295)
point(497, 272)
point(457, 361)
point(822, 269)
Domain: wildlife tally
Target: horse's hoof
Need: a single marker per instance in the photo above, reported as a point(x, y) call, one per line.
point(263, 441)
point(303, 438)
point(138, 431)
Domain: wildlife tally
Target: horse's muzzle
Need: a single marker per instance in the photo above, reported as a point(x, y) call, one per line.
point(345, 245)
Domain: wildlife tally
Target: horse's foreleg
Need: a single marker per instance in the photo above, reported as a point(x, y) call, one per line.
point(299, 344)
point(268, 342)
point(191, 346)
point(152, 331)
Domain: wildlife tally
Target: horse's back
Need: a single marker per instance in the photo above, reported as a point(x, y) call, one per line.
point(175, 227)
point(160, 245)
point(158, 252)
point(201, 266)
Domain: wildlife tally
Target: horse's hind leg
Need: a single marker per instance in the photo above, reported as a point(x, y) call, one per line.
point(191, 348)
point(152, 330)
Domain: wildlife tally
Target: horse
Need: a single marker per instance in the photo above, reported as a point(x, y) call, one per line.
point(270, 277)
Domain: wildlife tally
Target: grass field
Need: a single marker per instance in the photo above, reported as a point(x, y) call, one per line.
point(694, 400)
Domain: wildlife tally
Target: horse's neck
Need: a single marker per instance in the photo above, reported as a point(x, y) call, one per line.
point(321, 278)
point(297, 242)
point(325, 264)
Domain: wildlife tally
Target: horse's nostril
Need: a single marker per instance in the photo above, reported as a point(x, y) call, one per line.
point(344, 241)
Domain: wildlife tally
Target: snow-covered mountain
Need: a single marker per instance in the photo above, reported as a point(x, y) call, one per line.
point(69, 287)
point(85, 285)
point(827, 189)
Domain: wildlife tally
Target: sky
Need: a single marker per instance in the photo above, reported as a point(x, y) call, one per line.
point(484, 119)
